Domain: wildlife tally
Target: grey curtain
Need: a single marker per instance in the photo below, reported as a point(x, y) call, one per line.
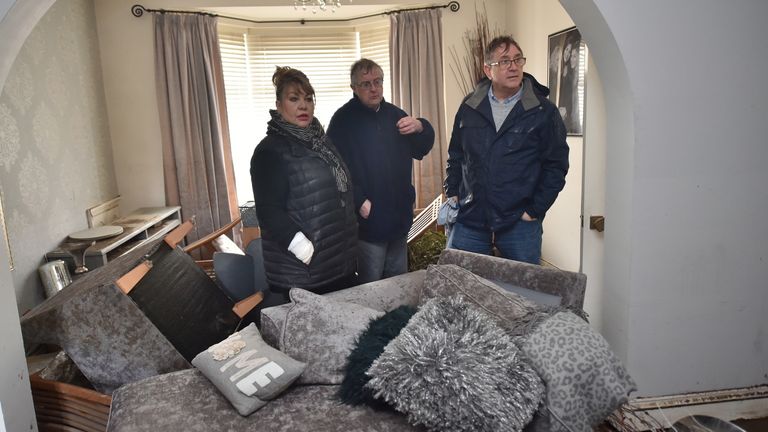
point(415, 49)
point(197, 161)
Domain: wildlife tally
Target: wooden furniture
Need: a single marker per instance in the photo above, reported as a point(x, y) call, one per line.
point(141, 226)
point(65, 407)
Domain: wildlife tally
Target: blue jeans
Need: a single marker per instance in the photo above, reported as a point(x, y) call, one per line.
point(522, 242)
point(381, 260)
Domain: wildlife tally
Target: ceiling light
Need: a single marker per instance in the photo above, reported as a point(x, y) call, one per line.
point(314, 5)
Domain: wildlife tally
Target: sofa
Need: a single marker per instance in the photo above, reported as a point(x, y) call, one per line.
point(187, 401)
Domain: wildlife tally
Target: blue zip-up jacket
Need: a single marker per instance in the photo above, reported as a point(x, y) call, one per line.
point(521, 168)
point(381, 163)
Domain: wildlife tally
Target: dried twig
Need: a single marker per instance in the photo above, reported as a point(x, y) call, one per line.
point(468, 69)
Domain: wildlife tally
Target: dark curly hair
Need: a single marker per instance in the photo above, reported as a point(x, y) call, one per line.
point(500, 41)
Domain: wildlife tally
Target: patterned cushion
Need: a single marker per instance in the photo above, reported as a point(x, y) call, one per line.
point(584, 379)
point(321, 332)
point(246, 370)
point(452, 368)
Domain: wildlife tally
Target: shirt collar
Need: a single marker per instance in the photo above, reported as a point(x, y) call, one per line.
point(514, 98)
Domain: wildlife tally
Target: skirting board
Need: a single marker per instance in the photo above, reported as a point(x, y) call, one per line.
point(651, 413)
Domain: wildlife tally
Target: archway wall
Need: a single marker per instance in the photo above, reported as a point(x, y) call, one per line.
point(686, 238)
point(16, 22)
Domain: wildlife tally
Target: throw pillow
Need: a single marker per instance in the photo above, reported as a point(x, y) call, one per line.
point(368, 348)
point(512, 311)
point(321, 332)
point(246, 370)
point(452, 368)
point(585, 381)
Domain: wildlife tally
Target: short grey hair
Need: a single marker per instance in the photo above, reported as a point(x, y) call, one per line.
point(363, 66)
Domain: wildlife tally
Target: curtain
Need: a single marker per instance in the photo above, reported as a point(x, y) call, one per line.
point(197, 159)
point(416, 60)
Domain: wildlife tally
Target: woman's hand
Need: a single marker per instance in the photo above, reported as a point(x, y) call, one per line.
point(302, 248)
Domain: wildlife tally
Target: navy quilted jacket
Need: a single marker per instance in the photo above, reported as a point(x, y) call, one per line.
point(521, 168)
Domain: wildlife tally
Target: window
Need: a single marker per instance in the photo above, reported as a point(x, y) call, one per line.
point(249, 57)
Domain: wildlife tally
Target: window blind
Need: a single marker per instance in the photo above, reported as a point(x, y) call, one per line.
point(250, 55)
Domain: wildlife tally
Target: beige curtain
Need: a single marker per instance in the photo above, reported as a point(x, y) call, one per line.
point(416, 59)
point(197, 161)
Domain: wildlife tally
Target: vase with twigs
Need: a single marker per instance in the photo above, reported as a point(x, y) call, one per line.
point(467, 69)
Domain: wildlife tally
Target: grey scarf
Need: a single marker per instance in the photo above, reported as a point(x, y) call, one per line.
point(315, 139)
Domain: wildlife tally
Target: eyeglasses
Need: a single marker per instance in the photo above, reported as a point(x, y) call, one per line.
point(519, 61)
point(367, 85)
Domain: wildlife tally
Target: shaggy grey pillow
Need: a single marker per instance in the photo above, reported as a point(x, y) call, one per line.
point(452, 368)
point(585, 381)
point(321, 332)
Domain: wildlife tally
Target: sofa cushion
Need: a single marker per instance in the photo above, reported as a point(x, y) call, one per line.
point(321, 332)
point(584, 380)
point(384, 295)
point(569, 286)
point(512, 311)
point(247, 371)
point(537, 297)
point(187, 401)
point(452, 368)
point(368, 347)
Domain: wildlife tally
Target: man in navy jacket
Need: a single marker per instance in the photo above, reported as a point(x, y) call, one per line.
point(507, 159)
point(378, 141)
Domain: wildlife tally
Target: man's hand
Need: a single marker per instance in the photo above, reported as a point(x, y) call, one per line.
point(409, 125)
point(365, 209)
point(526, 217)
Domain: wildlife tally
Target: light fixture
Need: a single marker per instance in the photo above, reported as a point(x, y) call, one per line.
point(323, 5)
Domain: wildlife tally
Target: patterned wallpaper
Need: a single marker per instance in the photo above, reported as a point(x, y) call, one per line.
point(55, 148)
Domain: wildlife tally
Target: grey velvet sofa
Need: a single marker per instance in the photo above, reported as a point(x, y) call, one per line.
point(186, 401)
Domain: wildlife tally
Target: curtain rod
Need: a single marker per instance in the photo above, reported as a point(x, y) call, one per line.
point(138, 10)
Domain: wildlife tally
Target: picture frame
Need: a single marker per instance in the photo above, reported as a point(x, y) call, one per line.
point(566, 77)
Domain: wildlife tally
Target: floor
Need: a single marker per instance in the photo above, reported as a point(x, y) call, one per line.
point(756, 425)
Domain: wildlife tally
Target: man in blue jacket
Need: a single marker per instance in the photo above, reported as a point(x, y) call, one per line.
point(378, 141)
point(507, 159)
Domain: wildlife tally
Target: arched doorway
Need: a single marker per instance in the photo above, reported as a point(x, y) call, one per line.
point(21, 17)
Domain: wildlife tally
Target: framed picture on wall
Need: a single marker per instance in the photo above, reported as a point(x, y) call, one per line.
point(567, 77)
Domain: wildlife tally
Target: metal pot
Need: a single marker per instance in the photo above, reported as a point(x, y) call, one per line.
point(55, 277)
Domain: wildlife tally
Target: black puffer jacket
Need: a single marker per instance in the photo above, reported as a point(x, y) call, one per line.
point(295, 190)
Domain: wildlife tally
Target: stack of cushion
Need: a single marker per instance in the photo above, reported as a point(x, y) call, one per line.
point(473, 357)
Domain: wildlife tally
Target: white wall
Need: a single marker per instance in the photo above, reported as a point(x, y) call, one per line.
point(593, 242)
point(686, 239)
point(127, 59)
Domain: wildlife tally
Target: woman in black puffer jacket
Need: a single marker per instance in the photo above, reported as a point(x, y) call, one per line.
point(303, 197)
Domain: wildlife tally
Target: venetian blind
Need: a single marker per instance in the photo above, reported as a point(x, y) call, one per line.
point(249, 57)
point(374, 45)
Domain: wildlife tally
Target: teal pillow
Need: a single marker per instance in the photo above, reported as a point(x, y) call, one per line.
point(368, 348)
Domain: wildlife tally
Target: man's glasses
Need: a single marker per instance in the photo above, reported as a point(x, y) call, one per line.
point(519, 61)
point(367, 85)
